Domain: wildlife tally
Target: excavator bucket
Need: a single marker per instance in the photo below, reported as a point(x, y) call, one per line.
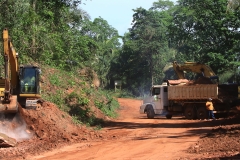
point(6, 141)
point(8, 109)
point(11, 107)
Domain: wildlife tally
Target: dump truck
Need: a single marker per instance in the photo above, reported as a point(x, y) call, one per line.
point(189, 97)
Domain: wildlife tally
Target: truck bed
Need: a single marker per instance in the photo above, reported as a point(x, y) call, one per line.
point(222, 92)
point(193, 92)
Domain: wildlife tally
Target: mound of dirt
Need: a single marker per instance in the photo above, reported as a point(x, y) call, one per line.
point(222, 143)
point(49, 128)
point(200, 80)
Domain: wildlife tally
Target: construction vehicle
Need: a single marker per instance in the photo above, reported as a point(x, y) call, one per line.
point(182, 97)
point(194, 67)
point(20, 85)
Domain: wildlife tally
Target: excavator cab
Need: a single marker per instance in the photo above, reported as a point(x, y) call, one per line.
point(29, 80)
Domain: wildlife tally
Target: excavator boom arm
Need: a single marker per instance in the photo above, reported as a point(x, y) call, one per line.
point(194, 67)
point(11, 60)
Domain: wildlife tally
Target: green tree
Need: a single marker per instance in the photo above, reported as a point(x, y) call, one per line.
point(107, 40)
point(146, 47)
point(47, 31)
point(203, 32)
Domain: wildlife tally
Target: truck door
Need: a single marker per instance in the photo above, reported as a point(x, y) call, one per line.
point(157, 94)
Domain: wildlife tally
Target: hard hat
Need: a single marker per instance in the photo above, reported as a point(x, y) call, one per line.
point(209, 99)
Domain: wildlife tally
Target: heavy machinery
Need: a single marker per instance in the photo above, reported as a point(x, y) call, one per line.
point(194, 67)
point(190, 98)
point(20, 84)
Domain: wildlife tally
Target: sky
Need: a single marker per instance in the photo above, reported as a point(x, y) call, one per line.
point(118, 13)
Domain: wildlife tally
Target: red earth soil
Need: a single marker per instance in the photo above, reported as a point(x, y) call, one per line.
point(131, 136)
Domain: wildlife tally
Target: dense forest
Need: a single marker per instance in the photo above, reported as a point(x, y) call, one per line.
point(60, 34)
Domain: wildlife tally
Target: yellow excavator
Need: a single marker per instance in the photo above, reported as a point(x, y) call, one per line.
point(194, 67)
point(20, 86)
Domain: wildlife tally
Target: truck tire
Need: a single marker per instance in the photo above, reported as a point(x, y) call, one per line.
point(190, 113)
point(201, 113)
point(168, 116)
point(150, 112)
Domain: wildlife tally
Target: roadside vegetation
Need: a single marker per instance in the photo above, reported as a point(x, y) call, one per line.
point(81, 58)
point(76, 95)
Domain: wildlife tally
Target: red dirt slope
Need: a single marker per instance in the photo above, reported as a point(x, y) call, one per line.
point(50, 128)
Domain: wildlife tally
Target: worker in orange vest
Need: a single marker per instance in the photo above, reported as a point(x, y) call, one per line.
point(210, 108)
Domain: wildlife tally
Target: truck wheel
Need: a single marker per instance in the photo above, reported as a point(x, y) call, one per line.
point(168, 116)
point(150, 112)
point(201, 113)
point(190, 113)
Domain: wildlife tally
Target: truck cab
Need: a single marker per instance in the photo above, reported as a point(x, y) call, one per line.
point(157, 102)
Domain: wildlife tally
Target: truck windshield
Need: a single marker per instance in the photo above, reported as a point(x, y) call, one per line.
point(155, 91)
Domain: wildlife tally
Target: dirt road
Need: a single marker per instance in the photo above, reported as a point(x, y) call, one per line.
point(134, 137)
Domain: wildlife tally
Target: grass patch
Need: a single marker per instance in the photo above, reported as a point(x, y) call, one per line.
point(106, 103)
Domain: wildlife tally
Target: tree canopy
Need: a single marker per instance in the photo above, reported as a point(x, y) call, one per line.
point(60, 34)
